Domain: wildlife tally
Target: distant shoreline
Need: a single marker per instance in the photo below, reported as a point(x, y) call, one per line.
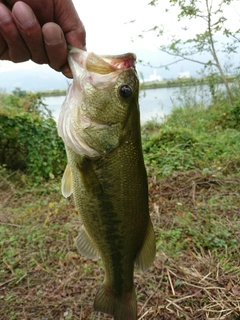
point(155, 84)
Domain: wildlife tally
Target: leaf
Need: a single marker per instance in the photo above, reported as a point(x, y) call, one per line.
point(236, 290)
point(229, 286)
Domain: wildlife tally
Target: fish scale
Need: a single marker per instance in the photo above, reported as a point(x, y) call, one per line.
point(100, 125)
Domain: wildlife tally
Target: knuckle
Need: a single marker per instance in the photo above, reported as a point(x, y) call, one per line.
point(17, 56)
point(40, 60)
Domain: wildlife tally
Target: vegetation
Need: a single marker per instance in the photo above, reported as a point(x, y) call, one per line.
point(210, 37)
point(193, 161)
point(195, 137)
point(193, 164)
point(159, 84)
point(53, 93)
point(28, 136)
point(179, 82)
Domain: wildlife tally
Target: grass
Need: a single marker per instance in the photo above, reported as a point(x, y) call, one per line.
point(194, 191)
point(194, 137)
point(196, 273)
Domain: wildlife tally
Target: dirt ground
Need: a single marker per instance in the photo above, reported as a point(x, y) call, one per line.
point(194, 276)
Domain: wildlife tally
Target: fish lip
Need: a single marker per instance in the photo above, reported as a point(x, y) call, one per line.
point(101, 64)
point(121, 61)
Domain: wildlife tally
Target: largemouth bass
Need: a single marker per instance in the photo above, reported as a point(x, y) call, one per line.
point(100, 125)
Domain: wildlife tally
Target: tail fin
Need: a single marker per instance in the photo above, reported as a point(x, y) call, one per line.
point(121, 308)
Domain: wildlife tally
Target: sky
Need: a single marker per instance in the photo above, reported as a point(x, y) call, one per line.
point(108, 27)
point(110, 30)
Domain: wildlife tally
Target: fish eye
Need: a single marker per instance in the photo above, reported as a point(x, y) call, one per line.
point(125, 91)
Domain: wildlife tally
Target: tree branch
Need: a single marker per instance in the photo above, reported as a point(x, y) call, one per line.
point(162, 66)
point(183, 57)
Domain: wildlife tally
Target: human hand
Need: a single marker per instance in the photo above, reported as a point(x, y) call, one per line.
point(40, 31)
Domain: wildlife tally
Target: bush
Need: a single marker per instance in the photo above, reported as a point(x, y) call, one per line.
point(170, 149)
point(194, 138)
point(29, 140)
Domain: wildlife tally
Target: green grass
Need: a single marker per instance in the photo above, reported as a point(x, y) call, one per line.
point(194, 138)
point(193, 161)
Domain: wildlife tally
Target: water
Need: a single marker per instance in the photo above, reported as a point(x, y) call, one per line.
point(154, 103)
point(54, 104)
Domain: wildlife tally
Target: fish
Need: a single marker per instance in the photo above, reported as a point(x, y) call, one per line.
point(99, 123)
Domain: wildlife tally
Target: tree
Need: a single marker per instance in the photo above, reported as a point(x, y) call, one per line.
point(213, 27)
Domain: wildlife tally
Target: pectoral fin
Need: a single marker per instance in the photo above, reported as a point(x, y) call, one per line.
point(147, 253)
point(85, 245)
point(67, 182)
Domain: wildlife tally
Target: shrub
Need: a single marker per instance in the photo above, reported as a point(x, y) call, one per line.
point(194, 138)
point(29, 140)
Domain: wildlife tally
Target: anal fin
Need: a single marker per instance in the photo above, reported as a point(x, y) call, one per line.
point(147, 253)
point(85, 245)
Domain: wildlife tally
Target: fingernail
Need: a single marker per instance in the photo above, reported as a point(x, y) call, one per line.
point(53, 37)
point(24, 16)
point(5, 14)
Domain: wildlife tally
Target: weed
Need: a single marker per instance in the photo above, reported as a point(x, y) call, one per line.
point(190, 139)
point(193, 164)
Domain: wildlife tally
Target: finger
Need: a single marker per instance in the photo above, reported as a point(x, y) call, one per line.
point(67, 71)
point(55, 45)
point(16, 50)
point(43, 9)
point(3, 48)
point(6, 3)
point(30, 31)
point(67, 17)
point(77, 37)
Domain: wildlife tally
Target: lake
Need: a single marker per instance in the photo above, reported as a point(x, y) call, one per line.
point(154, 103)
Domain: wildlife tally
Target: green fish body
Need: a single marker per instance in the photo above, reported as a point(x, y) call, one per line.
point(100, 126)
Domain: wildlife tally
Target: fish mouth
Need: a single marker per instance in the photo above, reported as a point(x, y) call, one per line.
point(108, 64)
point(101, 64)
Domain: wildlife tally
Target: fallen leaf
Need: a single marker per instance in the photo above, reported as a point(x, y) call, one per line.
point(236, 290)
point(229, 286)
